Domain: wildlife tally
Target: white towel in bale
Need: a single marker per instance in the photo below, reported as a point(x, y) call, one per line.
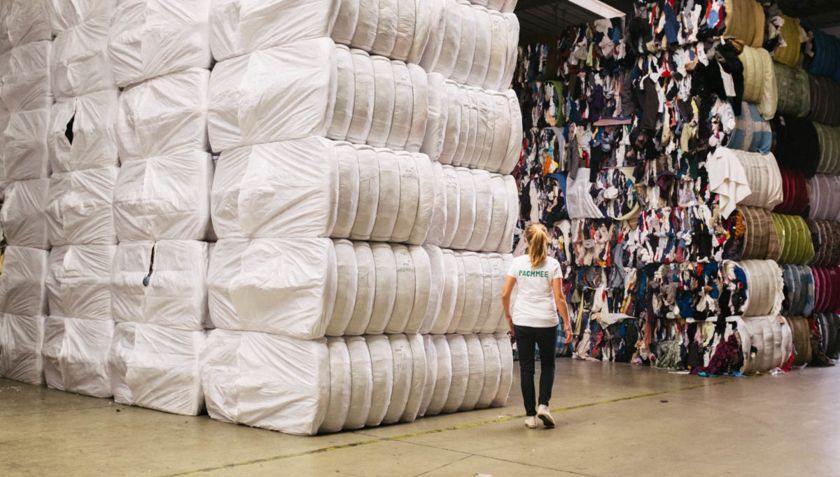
point(361, 382)
point(23, 214)
point(498, 214)
point(386, 28)
point(365, 289)
point(488, 296)
point(91, 122)
point(506, 245)
point(80, 63)
point(443, 378)
point(80, 207)
point(483, 47)
point(450, 42)
point(449, 295)
point(385, 291)
point(389, 196)
point(406, 25)
point(366, 26)
point(484, 131)
point(348, 284)
point(515, 137)
point(469, 122)
point(409, 196)
point(503, 326)
point(419, 376)
point(23, 289)
point(78, 281)
point(76, 355)
point(427, 17)
point(498, 51)
point(21, 339)
point(495, 266)
point(492, 371)
point(512, 50)
point(453, 110)
point(501, 131)
point(341, 386)
point(345, 94)
point(437, 227)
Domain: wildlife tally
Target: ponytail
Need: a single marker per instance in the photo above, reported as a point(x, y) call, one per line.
point(537, 237)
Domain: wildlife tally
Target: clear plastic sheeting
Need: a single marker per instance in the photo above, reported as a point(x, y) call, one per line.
point(161, 283)
point(281, 93)
point(64, 15)
point(240, 27)
point(23, 145)
point(79, 210)
point(25, 73)
point(165, 115)
point(157, 368)
point(82, 132)
point(76, 355)
point(165, 197)
point(22, 284)
point(80, 63)
point(22, 216)
point(78, 281)
point(151, 38)
point(281, 286)
point(23, 21)
point(21, 339)
point(268, 381)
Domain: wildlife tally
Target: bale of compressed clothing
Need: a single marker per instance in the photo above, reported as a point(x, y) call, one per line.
point(825, 101)
point(795, 244)
point(826, 338)
point(801, 330)
point(763, 177)
point(760, 80)
point(826, 289)
point(824, 193)
point(770, 343)
point(752, 132)
point(826, 59)
point(824, 235)
point(795, 90)
point(797, 145)
point(829, 138)
point(799, 290)
point(795, 192)
point(745, 22)
point(764, 287)
point(760, 240)
point(791, 33)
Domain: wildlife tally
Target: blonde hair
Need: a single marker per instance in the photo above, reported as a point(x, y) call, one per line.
point(537, 237)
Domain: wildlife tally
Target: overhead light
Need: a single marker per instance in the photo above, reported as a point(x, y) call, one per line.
point(599, 8)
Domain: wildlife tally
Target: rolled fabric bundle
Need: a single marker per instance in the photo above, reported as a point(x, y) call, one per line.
point(799, 290)
point(771, 343)
point(752, 132)
point(801, 330)
point(764, 287)
point(795, 244)
point(826, 59)
point(824, 195)
point(796, 90)
point(791, 53)
point(824, 235)
point(763, 177)
point(760, 80)
point(797, 145)
point(826, 289)
point(795, 192)
point(745, 21)
point(760, 239)
point(825, 101)
point(826, 327)
point(829, 138)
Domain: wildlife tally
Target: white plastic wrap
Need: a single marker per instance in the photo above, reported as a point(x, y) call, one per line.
point(266, 381)
point(23, 145)
point(365, 289)
point(452, 192)
point(449, 296)
point(157, 368)
point(438, 112)
point(485, 130)
point(419, 109)
point(498, 215)
point(468, 208)
point(459, 357)
point(286, 92)
point(409, 196)
point(484, 211)
point(437, 229)
point(386, 28)
point(475, 381)
point(427, 200)
point(419, 376)
point(164, 198)
point(348, 189)
point(515, 137)
point(366, 25)
point(80, 62)
point(467, 40)
point(406, 290)
point(403, 366)
point(489, 293)
point(403, 107)
point(25, 73)
point(494, 317)
point(23, 290)
point(364, 96)
point(457, 118)
point(437, 284)
point(406, 26)
point(427, 17)
point(474, 285)
point(78, 281)
point(460, 274)
point(340, 386)
point(506, 357)
point(80, 207)
point(441, 57)
point(431, 375)
point(276, 190)
point(382, 365)
point(383, 100)
point(483, 47)
point(385, 291)
point(23, 214)
point(492, 371)
point(281, 286)
point(64, 15)
point(151, 38)
point(464, 155)
point(389, 196)
point(513, 47)
point(506, 245)
point(82, 132)
point(345, 23)
point(23, 21)
point(443, 375)
point(498, 51)
point(161, 283)
point(772, 340)
point(361, 382)
point(165, 115)
point(345, 94)
point(348, 284)
point(21, 338)
point(76, 355)
point(503, 326)
point(422, 289)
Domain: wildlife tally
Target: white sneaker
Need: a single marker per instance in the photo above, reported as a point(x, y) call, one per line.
point(545, 415)
point(531, 422)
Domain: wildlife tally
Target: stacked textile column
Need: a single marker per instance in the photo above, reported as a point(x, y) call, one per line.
point(161, 58)
point(330, 219)
point(25, 102)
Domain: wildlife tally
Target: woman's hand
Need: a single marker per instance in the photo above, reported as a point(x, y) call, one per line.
point(567, 333)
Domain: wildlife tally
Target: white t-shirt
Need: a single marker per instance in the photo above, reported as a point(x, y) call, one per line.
point(534, 305)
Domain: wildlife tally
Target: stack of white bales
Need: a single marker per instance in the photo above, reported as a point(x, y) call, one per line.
point(320, 143)
point(25, 101)
point(160, 56)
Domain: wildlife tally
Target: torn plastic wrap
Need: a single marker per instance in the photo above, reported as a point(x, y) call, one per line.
point(151, 38)
point(82, 132)
point(157, 368)
point(281, 286)
point(21, 340)
point(23, 289)
point(79, 210)
point(24, 21)
point(78, 281)
point(286, 92)
point(76, 355)
point(80, 63)
point(268, 381)
point(161, 283)
point(165, 197)
point(23, 214)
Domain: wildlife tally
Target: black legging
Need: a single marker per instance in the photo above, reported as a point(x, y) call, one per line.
point(546, 339)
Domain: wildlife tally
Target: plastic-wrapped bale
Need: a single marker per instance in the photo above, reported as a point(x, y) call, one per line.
point(21, 339)
point(82, 132)
point(796, 90)
point(24, 21)
point(26, 77)
point(348, 189)
point(282, 286)
point(80, 63)
point(403, 366)
point(431, 375)
point(80, 206)
point(826, 289)
point(795, 242)
point(491, 317)
point(764, 179)
point(23, 289)
point(345, 96)
point(389, 196)
point(347, 271)
point(437, 227)
point(475, 381)
point(829, 138)
point(166, 197)
point(799, 290)
point(801, 330)
point(382, 366)
point(157, 368)
point(151, 38)
point(442, 51)
point(449, 296)
point(468, 311)
point(483, 214)
point(770, 343)
point(454, 111)
point(286, 92)
point(165, 115)
point(274, 190)
point(826, 327)
point(386, 28)
point(76, 355)
point(161, 283)
point(438, 113)
point(341, 386)
point(506, 358)
point(467, 48)
point(78, 281)
point(825, 101)
point(420, 378)
point(824, 235)
point(364, 293)
point(264, 380)
point(437, 282)
point(824, 195)
point(364, 95)
point(443, 375)
point(22, 216)
point(765, 287)
point(459, 357)
point(66, 15)
point(403, 107)
point(361, 383)
point(467, 208)
point(383, 101)
point(419, 274)
point(23, 145)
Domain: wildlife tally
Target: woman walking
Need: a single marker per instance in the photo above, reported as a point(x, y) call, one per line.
point(539, 300)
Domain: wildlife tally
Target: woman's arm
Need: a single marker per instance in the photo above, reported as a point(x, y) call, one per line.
point(510, 282)
point(560, 302)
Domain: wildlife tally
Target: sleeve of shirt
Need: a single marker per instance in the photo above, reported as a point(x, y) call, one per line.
point(512, 269)
point(555, 270)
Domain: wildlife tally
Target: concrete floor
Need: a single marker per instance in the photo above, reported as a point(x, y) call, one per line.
point(612, 420)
